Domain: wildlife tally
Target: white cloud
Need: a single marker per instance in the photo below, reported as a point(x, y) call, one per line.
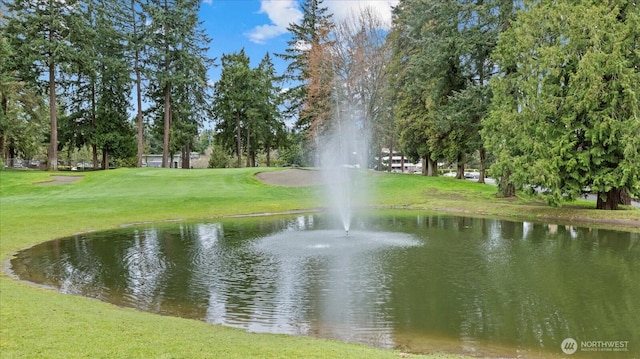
point(341, 9)
point(208, 2)
point(281, 13)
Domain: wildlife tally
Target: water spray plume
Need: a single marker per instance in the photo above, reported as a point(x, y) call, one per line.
point(343, 152)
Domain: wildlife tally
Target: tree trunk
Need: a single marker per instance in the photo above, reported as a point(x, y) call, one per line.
point(140, 119)
point(268, 149)
point(390, 163)
point(608, 200)
point(5, 108)
point(424, 165)
point(52, 163)
point(167, 97)
point(625, 197)
point(2, 149)
point(186, 156)
point(94, 150)
point(167, 126)
point(402, 163)
point(432, 167)
point(172, 164)
point(12, 154)
point(379, 157)
point(460, 167)
point(94, 146)
point(136, 69)
point(506, 188)
point(483, 164)
point(105, 159)
point(248, 147)
point(238, 140)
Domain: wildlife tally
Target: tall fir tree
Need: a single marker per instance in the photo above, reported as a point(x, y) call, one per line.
point(77, 123)
point(177, 52)
point(442, 70)
point(114, 134)
point(233, 97)
point(136, 47)
point(310, 68)
point(38, 31)
point(271, 132)
point(22, 110)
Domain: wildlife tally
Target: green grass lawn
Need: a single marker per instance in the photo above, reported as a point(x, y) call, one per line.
point(38, 322)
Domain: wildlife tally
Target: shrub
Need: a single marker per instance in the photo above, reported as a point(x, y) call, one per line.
point(219, 158)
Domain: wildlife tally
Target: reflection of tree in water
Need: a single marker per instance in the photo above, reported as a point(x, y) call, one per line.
point(520, 284)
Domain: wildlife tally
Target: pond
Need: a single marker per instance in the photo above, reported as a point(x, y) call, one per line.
point(419, 283)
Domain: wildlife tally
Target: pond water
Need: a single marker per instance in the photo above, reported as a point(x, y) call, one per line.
point(418, 283)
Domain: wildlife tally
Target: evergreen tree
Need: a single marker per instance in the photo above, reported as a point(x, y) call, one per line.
point(310, 68)
point(566, 112)
point(77, 122)
point(409, 87)
point(233, 99)
point(246, 107)
point(442, 71)
point(38, 32)
point(191, 99)
point(271, 128)
point(136, 48)
point(177, 59)
point(99, 82)
point(22, 110)
point(113, 132)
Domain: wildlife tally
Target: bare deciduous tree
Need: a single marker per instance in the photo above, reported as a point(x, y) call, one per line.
point(360, 58)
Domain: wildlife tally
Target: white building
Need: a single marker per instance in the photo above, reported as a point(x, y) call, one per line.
point(399, 163)
point(155, 160)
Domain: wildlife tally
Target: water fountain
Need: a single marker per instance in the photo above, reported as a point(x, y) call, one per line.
point(343, 151)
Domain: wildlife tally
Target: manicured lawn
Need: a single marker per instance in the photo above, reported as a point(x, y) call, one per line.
point(39, 322)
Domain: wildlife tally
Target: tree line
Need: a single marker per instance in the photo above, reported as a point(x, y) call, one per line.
point(76, 64)
point(543, 95)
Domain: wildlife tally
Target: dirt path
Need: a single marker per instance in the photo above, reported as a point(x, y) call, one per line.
point(60, 180)
point(292, 178)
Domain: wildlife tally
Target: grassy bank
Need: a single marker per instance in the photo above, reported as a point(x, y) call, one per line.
point(37, 322)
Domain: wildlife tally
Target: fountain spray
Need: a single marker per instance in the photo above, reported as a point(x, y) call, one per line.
point(343, 152)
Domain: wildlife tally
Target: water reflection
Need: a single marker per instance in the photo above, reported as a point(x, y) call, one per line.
point(421, 283)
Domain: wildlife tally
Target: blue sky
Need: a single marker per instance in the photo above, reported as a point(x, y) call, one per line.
point(259, 26)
